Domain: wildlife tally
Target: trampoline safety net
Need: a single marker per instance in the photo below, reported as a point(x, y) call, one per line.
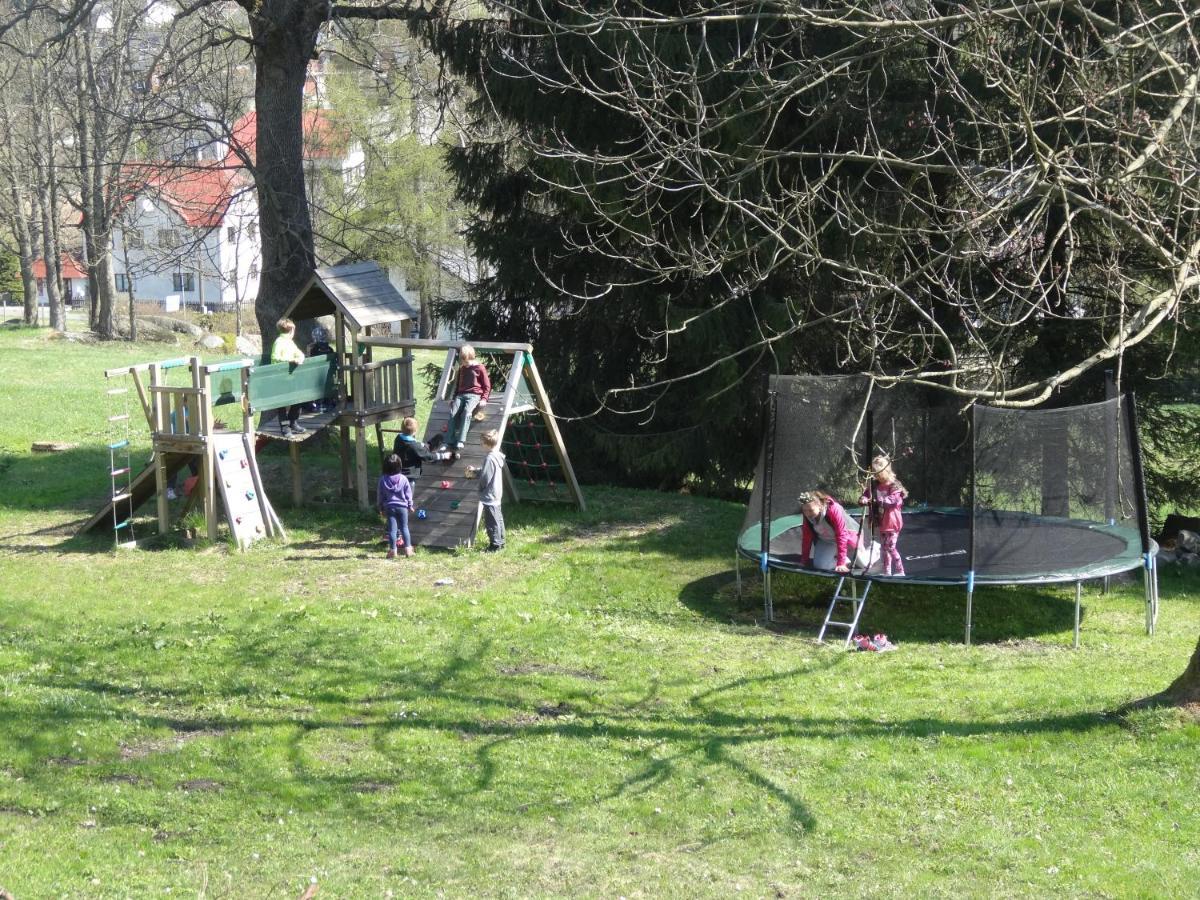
point(1012, 495)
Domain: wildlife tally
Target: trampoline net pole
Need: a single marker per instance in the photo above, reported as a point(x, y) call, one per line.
point(764, 541)
point(971, 525)
point(1139, 498)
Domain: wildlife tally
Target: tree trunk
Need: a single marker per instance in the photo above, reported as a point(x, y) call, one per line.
point(106, 287)
point(285, 36)
point(49, 256)
point(25, 253)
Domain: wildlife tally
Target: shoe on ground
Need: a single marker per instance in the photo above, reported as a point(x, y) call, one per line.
point(171, 495)
point(882, 644)
point(391, 554)
point(864, 643)
point(899, 571)
point(285, 429)
point(408, 551)
point(299, 429)
point(459, 445)
point(493, 548)
point(456, 454)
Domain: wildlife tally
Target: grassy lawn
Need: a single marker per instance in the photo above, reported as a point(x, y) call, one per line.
point(593, 712)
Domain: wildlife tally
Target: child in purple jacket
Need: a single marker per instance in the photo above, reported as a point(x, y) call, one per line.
point(395, 500)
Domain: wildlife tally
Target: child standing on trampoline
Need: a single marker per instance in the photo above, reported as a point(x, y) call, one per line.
point(884, 498)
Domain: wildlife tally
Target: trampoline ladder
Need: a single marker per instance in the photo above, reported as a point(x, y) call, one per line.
point(856, 604)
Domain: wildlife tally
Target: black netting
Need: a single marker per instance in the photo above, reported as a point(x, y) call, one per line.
point(1055, 494)
point(827, 429)
point(1074, 463)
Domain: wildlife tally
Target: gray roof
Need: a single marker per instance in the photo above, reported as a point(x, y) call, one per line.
point(360, 290)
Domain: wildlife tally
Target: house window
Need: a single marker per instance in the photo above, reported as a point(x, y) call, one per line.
point(231, 234)
point(168, 238)
point(123, 283)
point(183, 281)
point(134, 239)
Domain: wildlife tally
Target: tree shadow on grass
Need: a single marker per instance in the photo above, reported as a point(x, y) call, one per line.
point(456, 695)
point(918, 613)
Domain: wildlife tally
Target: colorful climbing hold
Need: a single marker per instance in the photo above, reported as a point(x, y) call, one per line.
point(421, 514)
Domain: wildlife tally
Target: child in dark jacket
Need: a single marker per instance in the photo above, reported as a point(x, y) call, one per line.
point(395, 501)
point(414, 453)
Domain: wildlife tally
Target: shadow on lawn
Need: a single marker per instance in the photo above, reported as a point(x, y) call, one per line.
point(440, 727)
point(920, 613)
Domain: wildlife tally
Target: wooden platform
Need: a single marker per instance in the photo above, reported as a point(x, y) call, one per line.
point(313, 423)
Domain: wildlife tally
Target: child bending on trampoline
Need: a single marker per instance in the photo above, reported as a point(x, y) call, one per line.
point(395, 499)
point(472, 388)
point(414, 453)
point(884, 497)
point(827, 525)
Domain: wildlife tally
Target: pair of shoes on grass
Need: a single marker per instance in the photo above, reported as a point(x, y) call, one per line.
point(868, 644)
point(493, 548)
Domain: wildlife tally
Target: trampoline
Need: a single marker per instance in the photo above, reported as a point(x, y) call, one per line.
point(1004, 472)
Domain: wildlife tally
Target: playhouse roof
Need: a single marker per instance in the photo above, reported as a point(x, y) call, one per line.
point(361, 291)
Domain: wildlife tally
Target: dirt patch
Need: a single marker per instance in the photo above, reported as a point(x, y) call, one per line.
point(150, 746)
point(549, 669)
point(124, 778)
point(370, 787)
point(200, 784)
point(554, 710)
point(69, 761)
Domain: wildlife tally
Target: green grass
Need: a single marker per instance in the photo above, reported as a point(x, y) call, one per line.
point(593, 713)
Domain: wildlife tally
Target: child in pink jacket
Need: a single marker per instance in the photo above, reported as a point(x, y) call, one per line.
point(884, 498)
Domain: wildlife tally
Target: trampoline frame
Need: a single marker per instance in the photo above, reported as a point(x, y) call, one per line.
point(1147, 561)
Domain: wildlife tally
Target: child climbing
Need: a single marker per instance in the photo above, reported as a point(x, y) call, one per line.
point(412, 452)
point(884, 497)
point(827, 527)
point(491, 490)
point(395, 501)
point(472, 388)
point(285, 350)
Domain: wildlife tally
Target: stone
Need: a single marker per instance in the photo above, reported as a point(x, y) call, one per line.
point(1188, 540)
point(212, 342)
point(249, 345)
point(179, 326)
point(51, 446)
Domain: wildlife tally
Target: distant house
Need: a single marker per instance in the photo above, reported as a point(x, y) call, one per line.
point(74, 280)
point(188, 235)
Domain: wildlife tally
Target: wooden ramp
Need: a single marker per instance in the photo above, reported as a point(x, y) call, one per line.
point(141, 489)
point(452, 512)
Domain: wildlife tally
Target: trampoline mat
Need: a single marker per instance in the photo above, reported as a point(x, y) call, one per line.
point(1009, 547)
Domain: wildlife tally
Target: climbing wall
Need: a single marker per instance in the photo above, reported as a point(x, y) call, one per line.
point(448, 499)
point(246, 505)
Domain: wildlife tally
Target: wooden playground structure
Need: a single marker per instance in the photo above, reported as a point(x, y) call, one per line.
point(353, 393)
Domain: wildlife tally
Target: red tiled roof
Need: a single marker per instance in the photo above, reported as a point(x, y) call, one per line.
point(71, 267)
point(324, 138)
point(199, 194)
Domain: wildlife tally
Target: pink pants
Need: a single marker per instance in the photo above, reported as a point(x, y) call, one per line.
point(893, 562)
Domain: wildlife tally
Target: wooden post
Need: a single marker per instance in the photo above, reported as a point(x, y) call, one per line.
point(343, 393)
point(202, 426)
point(297, 480)
point(160, 472)
point(543, 400)
point(358, 389)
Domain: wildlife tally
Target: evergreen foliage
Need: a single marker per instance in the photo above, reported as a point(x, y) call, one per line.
point(903, 212)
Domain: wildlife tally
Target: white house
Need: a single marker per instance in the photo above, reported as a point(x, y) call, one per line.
point(189, 232)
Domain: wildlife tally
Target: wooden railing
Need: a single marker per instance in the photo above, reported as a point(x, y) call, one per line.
point(377, 386)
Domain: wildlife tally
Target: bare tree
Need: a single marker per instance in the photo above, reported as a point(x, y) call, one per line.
point(945, 182)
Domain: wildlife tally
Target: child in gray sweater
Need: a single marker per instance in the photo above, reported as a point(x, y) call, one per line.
point(491, 490)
